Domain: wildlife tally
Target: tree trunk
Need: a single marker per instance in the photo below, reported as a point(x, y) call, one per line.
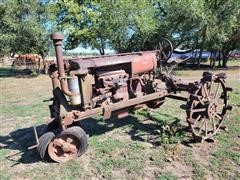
point(215, 58)
point(200, 56)
point(101, 49)
point(224, 62)
point(225, 59)
point(193, 57)
point(219, 58)
point(211, 59)
point(204, 31)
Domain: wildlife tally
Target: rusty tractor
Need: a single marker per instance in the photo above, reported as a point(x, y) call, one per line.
point(114, 84)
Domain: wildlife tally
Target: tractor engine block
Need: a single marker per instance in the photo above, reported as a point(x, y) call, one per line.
point(114, 82)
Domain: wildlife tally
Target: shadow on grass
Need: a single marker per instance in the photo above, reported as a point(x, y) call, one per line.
point(139, 130)
point(20, 140)
point(18, 73)
point(151, 130)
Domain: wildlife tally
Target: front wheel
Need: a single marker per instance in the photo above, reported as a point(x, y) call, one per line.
point(69, 144)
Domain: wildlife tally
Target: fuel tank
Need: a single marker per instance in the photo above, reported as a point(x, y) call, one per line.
point(139, 62)
point(144, 63)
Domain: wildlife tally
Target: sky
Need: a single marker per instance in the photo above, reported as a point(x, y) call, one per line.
point(89, 50)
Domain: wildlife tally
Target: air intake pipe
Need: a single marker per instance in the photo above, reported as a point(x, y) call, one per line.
point(57, 41)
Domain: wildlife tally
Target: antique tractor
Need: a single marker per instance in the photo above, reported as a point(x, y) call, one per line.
point(115, 84)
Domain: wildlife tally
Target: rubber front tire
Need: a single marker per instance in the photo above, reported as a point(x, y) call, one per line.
point(68, 145)
point(44, 141)
point(81, 135)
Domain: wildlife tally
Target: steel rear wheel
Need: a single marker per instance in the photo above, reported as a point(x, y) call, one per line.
point(207, 108)
point(70, 144)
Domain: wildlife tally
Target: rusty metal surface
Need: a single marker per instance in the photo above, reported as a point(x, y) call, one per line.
point(107, 109)
point(36, 138)
point(53, 74)
point(207, 106)
point(85, 85)
point(57, 40)
point(63, 148)
point(144, 63)
point(140, 62)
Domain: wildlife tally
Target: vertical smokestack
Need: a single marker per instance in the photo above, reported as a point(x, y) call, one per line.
point(57, 41)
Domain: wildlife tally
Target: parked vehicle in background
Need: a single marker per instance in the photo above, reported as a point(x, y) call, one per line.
point(191, 55)
point(235, 55)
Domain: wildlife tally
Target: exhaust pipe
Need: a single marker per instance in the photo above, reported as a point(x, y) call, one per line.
point(57, 41)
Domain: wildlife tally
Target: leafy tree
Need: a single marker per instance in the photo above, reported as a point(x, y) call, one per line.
point(223, 25)
point(102, 23)
point(132, 23)
point(80, 20)
point(23, 28)
point(9, 22)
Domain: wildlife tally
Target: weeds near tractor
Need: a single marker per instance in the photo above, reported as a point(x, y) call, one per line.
point(170, 129)
point(167, 176)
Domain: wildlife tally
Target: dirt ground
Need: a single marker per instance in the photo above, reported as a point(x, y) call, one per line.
point(131, 148)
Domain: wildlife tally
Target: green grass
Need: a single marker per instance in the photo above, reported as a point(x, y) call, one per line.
point(198, 169)
point(106, 146)
point(71, 170)
point(158, 157)
point(233, 62)
point(11, 72)
point(226, 157)
point(167, 176)
point(4, 176)
point(3, 154)
point(113, 154)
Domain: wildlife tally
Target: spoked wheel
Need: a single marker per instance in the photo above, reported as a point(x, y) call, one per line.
point(207, 107)
point(69, 144)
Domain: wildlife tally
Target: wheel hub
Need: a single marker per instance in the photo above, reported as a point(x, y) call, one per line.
point(212, 109)
point(63, 148)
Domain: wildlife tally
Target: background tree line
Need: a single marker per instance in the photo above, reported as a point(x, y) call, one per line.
point(23, 27)
point(122, 25)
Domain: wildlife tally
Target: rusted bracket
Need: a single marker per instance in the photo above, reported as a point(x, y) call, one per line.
point(58, 94)
point(177, 97)
point(106, 111)
point(36, 138)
